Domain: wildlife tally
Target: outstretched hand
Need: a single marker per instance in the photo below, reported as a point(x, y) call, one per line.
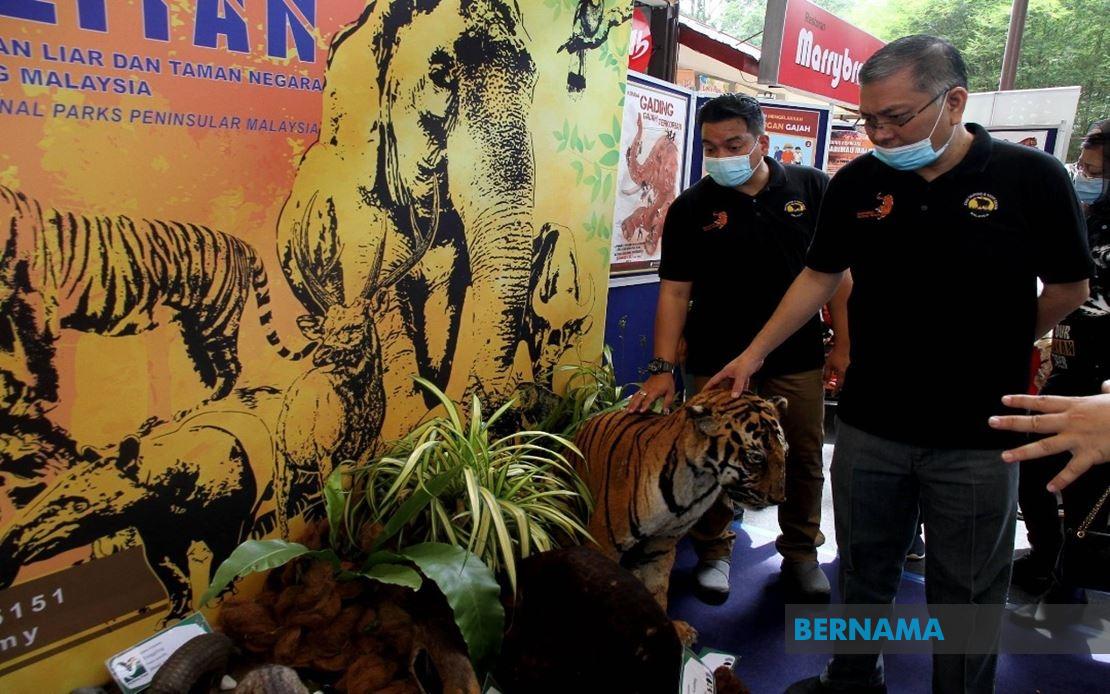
point(739, 371)
point(1080, 426)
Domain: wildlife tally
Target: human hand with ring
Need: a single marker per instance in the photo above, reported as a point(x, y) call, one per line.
point(659, 386)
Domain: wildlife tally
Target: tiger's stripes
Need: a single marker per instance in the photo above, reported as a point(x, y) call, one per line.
point(653, 476)
point(115, 276)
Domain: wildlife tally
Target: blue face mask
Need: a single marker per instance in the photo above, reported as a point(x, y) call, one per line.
point(1087, 189)
point(913, 156)
point(731, 172)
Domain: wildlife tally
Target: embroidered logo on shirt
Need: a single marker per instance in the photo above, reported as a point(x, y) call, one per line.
point(720, 220)
point(886, 205)
point(981, 204)
point(795, 208)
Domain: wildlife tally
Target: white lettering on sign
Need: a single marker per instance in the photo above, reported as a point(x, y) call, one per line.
point(839, 66)
point(640, 43)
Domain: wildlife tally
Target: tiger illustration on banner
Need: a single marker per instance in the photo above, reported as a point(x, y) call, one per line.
point(233, 234)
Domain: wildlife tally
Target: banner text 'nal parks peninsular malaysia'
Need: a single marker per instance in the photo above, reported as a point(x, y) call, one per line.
point(233, 232)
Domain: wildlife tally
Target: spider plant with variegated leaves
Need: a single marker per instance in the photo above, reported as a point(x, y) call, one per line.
point(590, 389)
point(448, 481)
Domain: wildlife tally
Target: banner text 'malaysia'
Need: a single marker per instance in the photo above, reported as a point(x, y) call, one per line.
point(214, 18)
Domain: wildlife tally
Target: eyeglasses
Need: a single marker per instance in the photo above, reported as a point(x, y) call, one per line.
point(1087, 170)
point(872, 123)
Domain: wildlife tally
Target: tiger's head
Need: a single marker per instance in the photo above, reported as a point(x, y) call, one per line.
point(742, 440)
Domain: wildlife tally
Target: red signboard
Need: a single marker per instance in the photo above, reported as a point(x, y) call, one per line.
point(812, 50)
point(639, 52)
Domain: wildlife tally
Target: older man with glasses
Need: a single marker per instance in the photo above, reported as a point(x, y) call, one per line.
point(946, 233)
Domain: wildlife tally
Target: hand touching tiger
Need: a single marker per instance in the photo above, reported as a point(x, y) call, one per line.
point(652, 477)
point(739, 371)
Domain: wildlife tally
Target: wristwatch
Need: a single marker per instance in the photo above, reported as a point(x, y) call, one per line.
point(659, 366)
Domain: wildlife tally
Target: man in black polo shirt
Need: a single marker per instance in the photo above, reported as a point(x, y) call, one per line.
point(733, 243)
point(946, 233)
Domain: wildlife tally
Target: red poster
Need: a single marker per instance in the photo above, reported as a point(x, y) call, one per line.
point(844, 146)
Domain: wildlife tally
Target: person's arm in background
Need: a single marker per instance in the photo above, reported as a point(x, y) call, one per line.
point(1060, 250)
point(1080, 426)
point(1056, 302)
point(836, 365)
point(670, 319)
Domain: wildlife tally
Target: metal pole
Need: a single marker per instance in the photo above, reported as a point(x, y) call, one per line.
point(1013, 45)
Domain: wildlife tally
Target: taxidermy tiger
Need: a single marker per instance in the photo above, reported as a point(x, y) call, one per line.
point(653, 476)
point(110, 275)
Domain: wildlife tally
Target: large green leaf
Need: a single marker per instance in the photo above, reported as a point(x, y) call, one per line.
point(471, 591)
point(396, 574)
point(382, 556)
point(334, 504)
point(260, 555)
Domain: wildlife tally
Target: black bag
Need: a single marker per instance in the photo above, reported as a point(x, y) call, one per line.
point(1085, 557)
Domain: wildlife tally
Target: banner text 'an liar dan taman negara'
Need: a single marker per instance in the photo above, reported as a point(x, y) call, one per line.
point(233, 231)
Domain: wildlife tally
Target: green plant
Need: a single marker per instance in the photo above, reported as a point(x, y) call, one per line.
point(591, 389)
point(470, 588)
point(450, 481)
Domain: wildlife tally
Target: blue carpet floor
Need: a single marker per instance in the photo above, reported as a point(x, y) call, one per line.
point(751, 625)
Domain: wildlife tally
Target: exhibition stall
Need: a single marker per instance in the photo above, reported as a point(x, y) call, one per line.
point(304, 304)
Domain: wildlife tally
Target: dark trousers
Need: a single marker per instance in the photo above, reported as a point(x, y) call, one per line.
point(967, 500)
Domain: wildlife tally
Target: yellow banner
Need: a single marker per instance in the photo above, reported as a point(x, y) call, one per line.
point(233, 231)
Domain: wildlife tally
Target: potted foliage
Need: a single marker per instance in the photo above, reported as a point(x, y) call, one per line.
point(454, 481)
point(412, 544)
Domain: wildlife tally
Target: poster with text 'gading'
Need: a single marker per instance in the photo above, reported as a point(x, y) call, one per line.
point(650, 173)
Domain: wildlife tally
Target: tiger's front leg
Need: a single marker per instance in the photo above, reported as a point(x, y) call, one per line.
point(654, 570)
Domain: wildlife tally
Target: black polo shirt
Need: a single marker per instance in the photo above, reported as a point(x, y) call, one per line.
point(944, 306)
point(741, 253)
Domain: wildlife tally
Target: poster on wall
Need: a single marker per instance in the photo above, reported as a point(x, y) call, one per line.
point(1043, 139)
point(798, 134)
point(651, 170)
point(232, 235)
point(845, 144)
point(794, 134)
point(714, 85)
point(687, 79)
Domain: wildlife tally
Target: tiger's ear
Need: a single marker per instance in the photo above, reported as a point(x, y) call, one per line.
point(780, 404)
point(703, 419)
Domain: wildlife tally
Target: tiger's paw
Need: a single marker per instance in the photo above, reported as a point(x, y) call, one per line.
point(687, 634)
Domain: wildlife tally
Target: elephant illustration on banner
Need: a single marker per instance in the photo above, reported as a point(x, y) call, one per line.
point(425, 171)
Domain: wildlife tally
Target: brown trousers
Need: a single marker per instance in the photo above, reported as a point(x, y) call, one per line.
point(800, 514)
